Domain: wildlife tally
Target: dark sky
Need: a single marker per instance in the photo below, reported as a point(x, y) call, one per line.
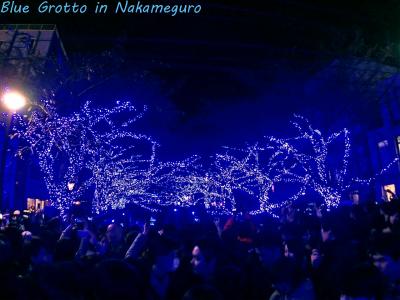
point(233, 73)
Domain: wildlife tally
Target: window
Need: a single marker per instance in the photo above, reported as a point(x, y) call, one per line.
point(388, 191)
point(398, 144)
point(36, 204)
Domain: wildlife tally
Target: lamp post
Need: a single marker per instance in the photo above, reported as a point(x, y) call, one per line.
point(11, 101)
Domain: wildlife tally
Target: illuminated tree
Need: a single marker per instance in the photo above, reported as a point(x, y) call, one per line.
point(89, 149)
point(320, 165)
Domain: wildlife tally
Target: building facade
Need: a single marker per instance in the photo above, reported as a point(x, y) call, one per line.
point(25, 45)
point(384, 142)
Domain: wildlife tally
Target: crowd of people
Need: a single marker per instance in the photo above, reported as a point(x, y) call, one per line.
point(352, 252)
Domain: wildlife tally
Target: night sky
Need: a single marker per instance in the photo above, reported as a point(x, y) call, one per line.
point(235, 72)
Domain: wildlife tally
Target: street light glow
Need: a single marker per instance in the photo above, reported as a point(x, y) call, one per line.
point(13, 101)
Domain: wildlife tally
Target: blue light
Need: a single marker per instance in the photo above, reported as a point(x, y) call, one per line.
point(121, 177)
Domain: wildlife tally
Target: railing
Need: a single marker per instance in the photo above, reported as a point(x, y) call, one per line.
point(28, 27)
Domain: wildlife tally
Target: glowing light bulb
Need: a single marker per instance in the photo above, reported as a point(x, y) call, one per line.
point(13, 100)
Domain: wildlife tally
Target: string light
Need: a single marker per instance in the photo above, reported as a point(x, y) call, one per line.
point(97, 149)
point(308, 154)
point(88, 148)
point(370, 180)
